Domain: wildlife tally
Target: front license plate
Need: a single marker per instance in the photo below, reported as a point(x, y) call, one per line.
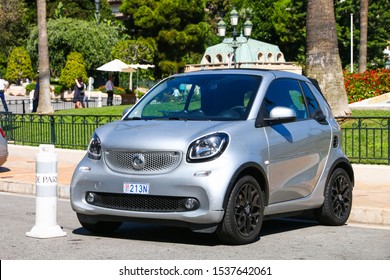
point(135, 188)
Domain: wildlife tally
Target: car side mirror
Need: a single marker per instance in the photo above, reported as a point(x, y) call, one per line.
point(281, 114)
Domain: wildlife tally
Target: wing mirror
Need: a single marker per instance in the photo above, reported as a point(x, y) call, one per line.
point(281, 114)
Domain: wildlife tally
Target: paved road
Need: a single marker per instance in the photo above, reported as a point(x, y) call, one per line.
point(280, 240)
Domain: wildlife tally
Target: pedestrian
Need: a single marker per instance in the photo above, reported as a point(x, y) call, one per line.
point(79, 93)
point(4, 85)
point(110, 91)
point(36, 97)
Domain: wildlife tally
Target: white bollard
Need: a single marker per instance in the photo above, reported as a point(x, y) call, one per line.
point(100, 99)
point(46, 195)
point(31, 100)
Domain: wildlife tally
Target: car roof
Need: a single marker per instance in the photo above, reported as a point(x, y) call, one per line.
point(252, 71)
point(249, 71)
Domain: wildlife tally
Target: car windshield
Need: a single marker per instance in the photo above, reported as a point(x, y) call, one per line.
point(199, 97)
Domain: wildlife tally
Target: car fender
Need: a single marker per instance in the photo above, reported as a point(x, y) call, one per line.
point(253, 169)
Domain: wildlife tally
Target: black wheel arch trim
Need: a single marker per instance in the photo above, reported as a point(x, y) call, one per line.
point(253, 169)
point(344, 164)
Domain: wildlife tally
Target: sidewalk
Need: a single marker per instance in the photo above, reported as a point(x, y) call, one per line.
point(371, 195)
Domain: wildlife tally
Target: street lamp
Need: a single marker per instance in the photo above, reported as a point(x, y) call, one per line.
point(234, 22)
point(97, 10)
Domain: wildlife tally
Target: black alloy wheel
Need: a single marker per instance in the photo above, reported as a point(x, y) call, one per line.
point(338, 200)
point(244, 213)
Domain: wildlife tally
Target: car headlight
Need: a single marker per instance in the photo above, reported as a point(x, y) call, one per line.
point(208, 147)
point(95, 148)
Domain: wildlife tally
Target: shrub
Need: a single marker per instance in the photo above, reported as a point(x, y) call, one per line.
point(30, 87)
point(19, 65)
point(74, 68)
point(360, 86)
point(58, 89)
point(117, 90)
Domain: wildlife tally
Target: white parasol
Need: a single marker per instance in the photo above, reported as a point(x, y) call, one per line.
point(136, 66)
point(116, 65)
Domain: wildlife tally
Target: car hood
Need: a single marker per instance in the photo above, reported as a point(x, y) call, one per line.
point(157, 134)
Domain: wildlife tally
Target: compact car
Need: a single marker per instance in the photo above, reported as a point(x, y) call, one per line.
point(3, 147)
point(217, 151)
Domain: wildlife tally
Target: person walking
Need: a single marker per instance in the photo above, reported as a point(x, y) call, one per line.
point(3, 88)
point(79, 93)
point(110, 91)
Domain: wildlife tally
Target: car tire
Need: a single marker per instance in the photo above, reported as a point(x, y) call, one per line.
point(244, 213)
point(99, 227)
point(338, 200)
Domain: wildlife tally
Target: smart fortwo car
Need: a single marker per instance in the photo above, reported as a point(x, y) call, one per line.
point(217, 151)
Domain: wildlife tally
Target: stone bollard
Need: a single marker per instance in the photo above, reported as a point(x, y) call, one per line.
point(46, 195)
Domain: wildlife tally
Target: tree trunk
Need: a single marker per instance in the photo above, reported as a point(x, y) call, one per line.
point(363, 36)
point(323, 59)
point(44, 105)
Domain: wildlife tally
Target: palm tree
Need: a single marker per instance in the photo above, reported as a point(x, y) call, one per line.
point(363, 36)
point(44, 105)
point(323, 59)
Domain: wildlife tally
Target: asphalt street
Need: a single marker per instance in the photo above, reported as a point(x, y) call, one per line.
point(298, 238)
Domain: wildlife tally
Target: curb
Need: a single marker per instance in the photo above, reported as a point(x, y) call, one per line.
point(370, 216)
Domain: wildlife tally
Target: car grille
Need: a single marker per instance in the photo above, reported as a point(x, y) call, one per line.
point(142, 203)
point(142, 162)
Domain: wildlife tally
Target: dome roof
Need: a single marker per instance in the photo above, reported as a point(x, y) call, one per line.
point(249, 50)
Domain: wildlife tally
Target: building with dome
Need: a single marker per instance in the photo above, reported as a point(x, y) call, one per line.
point(250, 53)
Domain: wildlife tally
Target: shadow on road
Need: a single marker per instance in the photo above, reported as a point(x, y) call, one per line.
point(144, 232)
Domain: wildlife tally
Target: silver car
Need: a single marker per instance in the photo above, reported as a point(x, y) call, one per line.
point(3, 147)
point(217, 151)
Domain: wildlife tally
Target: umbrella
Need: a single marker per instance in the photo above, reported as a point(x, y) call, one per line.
point(115, 65)
point(136, 66)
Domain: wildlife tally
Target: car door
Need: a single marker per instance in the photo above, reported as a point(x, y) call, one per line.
point(298, 149)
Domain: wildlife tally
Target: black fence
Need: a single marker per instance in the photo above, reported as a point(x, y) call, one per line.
point(63, 131)
point(24, 105)
point(364, 139)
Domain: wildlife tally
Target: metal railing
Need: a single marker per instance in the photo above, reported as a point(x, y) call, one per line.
point(24, 105)
point(364, 139)
point(63, 131)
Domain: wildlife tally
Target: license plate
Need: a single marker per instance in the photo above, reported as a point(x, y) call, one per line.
point(135, 188)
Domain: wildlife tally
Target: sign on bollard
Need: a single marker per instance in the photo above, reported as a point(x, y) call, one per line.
point(46, 195)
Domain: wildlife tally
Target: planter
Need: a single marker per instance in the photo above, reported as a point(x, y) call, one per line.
point(128, 98)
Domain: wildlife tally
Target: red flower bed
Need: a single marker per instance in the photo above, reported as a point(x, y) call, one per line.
point(365, 85)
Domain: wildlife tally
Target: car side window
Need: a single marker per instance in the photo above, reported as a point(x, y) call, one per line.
point(312, 103)
point(285, 93)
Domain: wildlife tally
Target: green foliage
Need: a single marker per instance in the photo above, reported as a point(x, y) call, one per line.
point(13, 30)
point(117, 90)
point(132, 51)
point(58, 89)
point(77, 9)
point(74, 68)
point(30, 87)
point(66, 35)
point(178, 27)
point(169, 67)
point(365, 85)
point(378, 30)
point(19, 65)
